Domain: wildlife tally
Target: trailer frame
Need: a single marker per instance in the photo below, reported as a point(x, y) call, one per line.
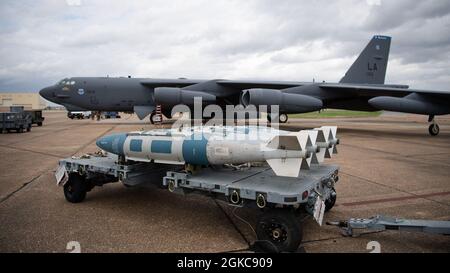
point(280, 199)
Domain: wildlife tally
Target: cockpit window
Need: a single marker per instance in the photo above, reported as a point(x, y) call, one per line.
point(64, 82)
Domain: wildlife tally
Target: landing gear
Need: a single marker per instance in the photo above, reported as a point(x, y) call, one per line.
point(154, 118)
point(433, 129)
point(282, 118)
point(279, 230)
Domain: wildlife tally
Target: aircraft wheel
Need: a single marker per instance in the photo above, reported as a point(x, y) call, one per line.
point(433, 129)
point(329, 203)
point(283, 118)
point(152, 115)
point(75, 189)
point(279, 230)
point(154, 118)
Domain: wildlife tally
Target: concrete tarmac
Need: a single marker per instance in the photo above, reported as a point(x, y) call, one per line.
point(389, 166)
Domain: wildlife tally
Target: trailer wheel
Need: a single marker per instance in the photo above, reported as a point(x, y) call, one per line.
point(280, 229)
point(329, 203)
point(29, 128)
point(75, 189)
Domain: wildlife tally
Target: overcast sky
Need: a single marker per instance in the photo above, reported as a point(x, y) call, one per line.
point(44, 41)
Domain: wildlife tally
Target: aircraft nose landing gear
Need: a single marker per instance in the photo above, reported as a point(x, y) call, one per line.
point(434, 127)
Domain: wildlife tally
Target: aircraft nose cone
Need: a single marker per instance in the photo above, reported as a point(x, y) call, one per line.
point(112, 143)
point(46, 93)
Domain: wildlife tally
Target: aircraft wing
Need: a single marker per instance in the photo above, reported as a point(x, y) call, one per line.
point(232, 86)
point(239, 84)
point(169, 82)
point(246, 84)
point(416, 101)
point(372, 91)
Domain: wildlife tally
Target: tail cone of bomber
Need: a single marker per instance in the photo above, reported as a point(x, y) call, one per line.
point(285, 152)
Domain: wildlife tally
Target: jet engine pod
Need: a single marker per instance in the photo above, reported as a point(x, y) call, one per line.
point(412, 103)
point(173, 96)
point(288, 102)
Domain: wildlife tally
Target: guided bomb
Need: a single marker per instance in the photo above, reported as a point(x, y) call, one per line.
point(285, 152)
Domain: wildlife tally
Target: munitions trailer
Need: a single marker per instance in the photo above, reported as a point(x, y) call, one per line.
point(36, 115)
point(280, 199)
point(18, 122)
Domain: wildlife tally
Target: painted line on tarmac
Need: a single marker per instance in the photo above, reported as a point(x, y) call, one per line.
point(398, 157)
point(46, 134)
point(49, 169)
point(394, 188)
point(394, 199)
point(30, 151)
point(21, 187)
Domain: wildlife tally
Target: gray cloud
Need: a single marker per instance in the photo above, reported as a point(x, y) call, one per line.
point(43, 41)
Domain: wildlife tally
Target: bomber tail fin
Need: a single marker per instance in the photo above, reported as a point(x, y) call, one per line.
point(370, 66)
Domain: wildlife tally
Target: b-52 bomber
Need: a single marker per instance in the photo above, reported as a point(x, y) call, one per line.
point(362, 88)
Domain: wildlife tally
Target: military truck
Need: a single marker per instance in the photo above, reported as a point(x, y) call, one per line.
point(15, 121)
point(109, 115)
point(79, 114)
point(36, 115)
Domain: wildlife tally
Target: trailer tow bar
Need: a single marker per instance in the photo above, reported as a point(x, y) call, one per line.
point(381, 223)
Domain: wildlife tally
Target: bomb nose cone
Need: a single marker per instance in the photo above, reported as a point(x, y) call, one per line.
point(112, 143)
